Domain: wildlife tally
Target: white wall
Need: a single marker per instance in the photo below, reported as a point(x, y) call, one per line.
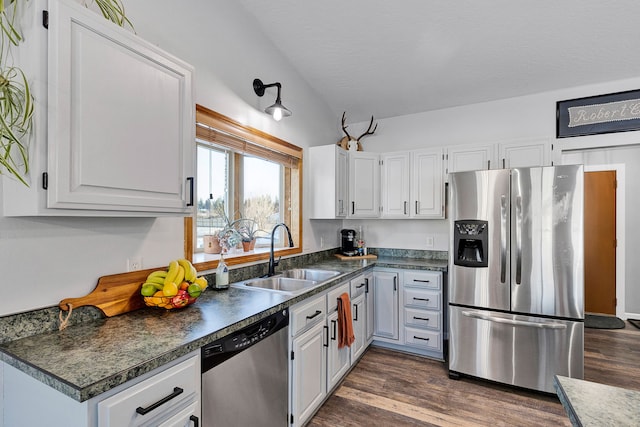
point(44, 260)
point(500, 121)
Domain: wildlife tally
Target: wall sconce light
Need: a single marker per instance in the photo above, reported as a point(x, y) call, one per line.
point(277, 110)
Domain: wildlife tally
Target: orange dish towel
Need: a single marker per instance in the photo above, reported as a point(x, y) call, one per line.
point(345, 323)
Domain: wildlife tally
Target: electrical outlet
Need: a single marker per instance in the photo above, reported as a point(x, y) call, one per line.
point(134, 264)
point(430, 242)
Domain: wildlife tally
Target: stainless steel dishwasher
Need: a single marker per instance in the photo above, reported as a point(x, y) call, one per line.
point(245, 377)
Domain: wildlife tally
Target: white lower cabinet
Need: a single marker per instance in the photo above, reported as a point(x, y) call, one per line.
point(368, 297)
point(167, 396)
point(385, 304)
point(308, 373)
point(409, 311)
point(359, 314)
point(317, 364)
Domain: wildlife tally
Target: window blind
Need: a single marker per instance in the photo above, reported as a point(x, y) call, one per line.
point(224, 132)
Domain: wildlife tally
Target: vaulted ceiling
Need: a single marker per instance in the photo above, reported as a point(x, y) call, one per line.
point(391, 58)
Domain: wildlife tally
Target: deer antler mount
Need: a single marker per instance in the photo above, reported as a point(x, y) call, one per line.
point(350, 143)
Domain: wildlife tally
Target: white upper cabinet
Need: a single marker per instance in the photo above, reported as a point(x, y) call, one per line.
point(412, 184)
point(427, 186)
point(120, 134)
point(527, 153)
point(364, 185)
point(395, 177)
point(470, 157)
point(327, 166)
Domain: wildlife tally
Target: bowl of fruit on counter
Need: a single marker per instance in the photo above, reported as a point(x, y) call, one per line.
point(175, 287)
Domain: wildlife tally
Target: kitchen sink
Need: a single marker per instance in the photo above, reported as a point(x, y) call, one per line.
point(310, 274)
point(280, 283)
point(292, 281)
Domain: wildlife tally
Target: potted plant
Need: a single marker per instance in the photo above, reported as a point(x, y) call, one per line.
point(247, 229)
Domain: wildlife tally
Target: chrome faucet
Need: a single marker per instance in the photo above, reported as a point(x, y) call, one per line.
point(273, 263)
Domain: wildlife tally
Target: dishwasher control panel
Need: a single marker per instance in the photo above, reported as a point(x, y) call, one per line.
point(224, 348)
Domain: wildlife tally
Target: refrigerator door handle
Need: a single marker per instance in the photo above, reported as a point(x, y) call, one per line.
point(481, 316)
point(503, 239)
point(518, 240)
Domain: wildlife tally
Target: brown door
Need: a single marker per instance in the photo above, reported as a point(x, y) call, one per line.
point(600, 242)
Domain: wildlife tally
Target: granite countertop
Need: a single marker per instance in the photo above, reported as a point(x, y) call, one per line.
point(88, 359)
point(592, 404)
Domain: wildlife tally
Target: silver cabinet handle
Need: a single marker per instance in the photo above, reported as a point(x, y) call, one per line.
point(481, 316)
point(518, 240)
point(503, 239)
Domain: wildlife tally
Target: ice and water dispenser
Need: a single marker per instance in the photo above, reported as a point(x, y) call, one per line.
point(471, 243)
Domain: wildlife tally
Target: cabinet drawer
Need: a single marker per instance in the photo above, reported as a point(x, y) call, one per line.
point(423, 279)
point(420, 298)
point(422, 318)
point(304, 315)
point(181, 381)
point(334, 294)
point(427, 340)
point(358, 286)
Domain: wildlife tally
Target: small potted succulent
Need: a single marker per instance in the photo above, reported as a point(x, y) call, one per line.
point(247, 228)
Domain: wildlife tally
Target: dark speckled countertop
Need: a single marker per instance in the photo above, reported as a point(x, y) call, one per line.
point(593, 404)
point(88, 359)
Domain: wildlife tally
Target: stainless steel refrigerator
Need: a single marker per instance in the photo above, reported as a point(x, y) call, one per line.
point(516, 280)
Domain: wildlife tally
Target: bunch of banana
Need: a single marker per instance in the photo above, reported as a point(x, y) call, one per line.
point(177, 286)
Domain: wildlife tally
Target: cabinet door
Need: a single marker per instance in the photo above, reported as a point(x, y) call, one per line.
point(394, 185)
point(309, 373)
point(338, 359)
point(364, 185)
point(470, 158)
point(359, 315)
point(368, 300)
point(120, 118)
point(385, 304)
point(522, 154)
point(172, 390)
point(342, 187)
point(427, 191)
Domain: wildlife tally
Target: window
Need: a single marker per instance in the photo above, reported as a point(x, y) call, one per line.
point(245, 178)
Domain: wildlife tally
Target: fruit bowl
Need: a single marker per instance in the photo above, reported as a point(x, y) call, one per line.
point(176, 287)
point(159, 300)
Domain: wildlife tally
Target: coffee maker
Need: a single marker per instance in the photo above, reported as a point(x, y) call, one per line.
point(348, 241)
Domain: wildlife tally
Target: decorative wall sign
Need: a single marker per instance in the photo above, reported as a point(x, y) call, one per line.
point(616, 112)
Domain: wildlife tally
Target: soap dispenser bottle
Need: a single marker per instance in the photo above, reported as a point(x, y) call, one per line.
point(222, 275)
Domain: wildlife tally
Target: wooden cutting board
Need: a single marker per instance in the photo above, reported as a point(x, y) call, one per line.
point(351, 258)
point(114, 294)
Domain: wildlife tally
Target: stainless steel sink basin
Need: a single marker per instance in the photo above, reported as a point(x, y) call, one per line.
point(283, 284)
point(294, 281)
point(310, 274)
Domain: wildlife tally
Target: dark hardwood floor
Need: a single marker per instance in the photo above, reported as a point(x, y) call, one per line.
point(388, 388)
